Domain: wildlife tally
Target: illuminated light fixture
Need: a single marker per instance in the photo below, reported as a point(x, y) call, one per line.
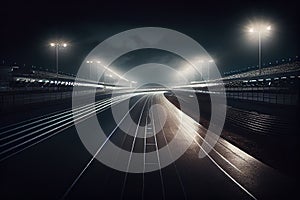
point(206, 61)
point(90, 70)
point(57, 46)
point(260, 29)
point(121, 77)
point(106, 68)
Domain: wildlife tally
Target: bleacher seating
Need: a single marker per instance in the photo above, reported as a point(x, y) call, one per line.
point(279, 69)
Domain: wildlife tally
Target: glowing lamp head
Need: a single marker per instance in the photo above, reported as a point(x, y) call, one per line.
point(52, 44)
point(259, 28)
point(64, 44)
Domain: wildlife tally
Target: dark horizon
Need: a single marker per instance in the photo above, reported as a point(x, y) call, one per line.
point(27, 29)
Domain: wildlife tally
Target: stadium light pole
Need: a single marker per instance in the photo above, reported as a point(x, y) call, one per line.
point(90, 68)
point(97, 71)
point(112, 73)
point(208, 62)
point(201, 67)
point(260, 29)
point(105, 69)
point(57, 46)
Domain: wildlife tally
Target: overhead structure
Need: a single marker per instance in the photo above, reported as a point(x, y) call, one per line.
point(261, 29)
point(57, 46)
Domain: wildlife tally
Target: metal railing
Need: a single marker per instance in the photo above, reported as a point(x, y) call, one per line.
point(284, 96)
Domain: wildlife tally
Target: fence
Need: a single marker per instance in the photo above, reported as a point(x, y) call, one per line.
point(8, 99)
point(274, 95)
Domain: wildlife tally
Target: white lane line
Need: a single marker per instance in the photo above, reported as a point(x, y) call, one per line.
point(236, 151)
point(78, 113)
point(45, 117)
point(196, 134)
point(104, 103)
point(94, 156)
point(176, 170)
point(70, 122)
point(157, 154)
point(56, 114)
point(82, 118)
point(132, 147)
point(70, 113)
point(145, 141)
point(238, 184)
point(213, 149)
point(30, 120)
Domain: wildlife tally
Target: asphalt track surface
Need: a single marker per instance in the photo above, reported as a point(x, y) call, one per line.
point(44, 158)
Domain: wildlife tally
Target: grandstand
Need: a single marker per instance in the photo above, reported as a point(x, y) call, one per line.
point(277, 85)
point(14, 78)
point(293, 67)
point(20, 86)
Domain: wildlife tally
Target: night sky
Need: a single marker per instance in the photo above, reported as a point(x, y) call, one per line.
point(28, 27)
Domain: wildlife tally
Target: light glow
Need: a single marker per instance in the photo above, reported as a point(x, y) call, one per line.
point(106, 68)
point(259, 28)
point(58, 44)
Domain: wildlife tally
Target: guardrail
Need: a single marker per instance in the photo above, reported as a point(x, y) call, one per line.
point(285, 96)
point(8, 99)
